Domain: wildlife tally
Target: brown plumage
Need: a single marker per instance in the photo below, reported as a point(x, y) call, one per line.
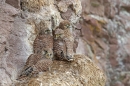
point(59, 46)
point(43, 53)
point(63, 41)
point(32, 60)
point(35, 64)
point(64, 25)
point(68, 38)
point(43, 41)
point(42, 65)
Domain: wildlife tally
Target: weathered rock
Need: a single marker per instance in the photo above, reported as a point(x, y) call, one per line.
point(31, 5)
point(118, 83)
point(17, 34)
point(14, 3)
point(81, 72)
point(12, 54)
point(102, 33)
point(93, 7)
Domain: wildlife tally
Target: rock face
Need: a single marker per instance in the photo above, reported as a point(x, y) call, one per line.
point(13, 43)
point(101, 29)
point(81, 72)
point(106, 23)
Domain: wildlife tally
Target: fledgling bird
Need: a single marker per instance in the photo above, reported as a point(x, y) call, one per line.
point(59, 45)
point(63, 41)
point(35, 64)
point(43, 41)
point(34, 58)
point(42, 65)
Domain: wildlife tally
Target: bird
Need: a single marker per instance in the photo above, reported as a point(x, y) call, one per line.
point(41, 59)
point(32, 60)
point(42, 65)
point(63, 41)
point(43, 41)
point(34, 65)
point(59, 48)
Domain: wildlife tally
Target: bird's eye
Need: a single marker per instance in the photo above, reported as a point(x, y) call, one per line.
point(45, 52)
point(50, 54)
point(47, 30)
point(68, 25)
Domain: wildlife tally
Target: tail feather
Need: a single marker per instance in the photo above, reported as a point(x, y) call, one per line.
point(25, 73)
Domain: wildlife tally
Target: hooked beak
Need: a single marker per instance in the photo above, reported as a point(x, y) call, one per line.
point(57, 36)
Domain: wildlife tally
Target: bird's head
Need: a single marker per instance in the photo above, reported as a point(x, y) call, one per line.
point(65, 24)
point(48, 53)
point(45, 31)
point(59, 33)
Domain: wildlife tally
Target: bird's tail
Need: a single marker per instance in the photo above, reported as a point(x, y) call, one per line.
point(25, 73)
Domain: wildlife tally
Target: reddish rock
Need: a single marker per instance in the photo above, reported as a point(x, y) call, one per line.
point(96, 8)
point(113, 49)
point(107, 8)
point(126, 7)
point(118, 83)
point(110, 9)
point(10, 10)
point(123, 18)
point(113, 41)
point(127, 47)
point(96, 24)
point(126, 80)
point(127, 66)
point(87, 32)
point(126, 62)
point(85, 6)
point(78, 26)
point(14, 3)
point(104, 34)
point(126, 59)
point(113, 62)
point(101, 44)
point(66, 15)
point(128, 29)
point(13, 50)
point(93, 7)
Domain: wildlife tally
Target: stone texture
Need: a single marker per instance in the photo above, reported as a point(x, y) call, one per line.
point(31, 5)
point(18, 30)
point(13, 44)
point(118, 83)
point(77, 73)
point(102, 32)
point(93, 7)
point(14, 3)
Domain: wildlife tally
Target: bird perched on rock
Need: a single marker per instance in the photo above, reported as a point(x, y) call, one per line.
point(63, 41)
point(35, 64)
point(34, 58)
point(43, 41)
point(59, 45)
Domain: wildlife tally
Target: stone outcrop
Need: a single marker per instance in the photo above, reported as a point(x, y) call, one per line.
point(110, 40)
point(81, 72)
point(101, 30)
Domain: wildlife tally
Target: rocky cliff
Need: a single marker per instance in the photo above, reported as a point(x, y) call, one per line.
point(101, 30)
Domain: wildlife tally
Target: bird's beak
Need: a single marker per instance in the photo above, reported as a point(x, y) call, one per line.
point(57, 36)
